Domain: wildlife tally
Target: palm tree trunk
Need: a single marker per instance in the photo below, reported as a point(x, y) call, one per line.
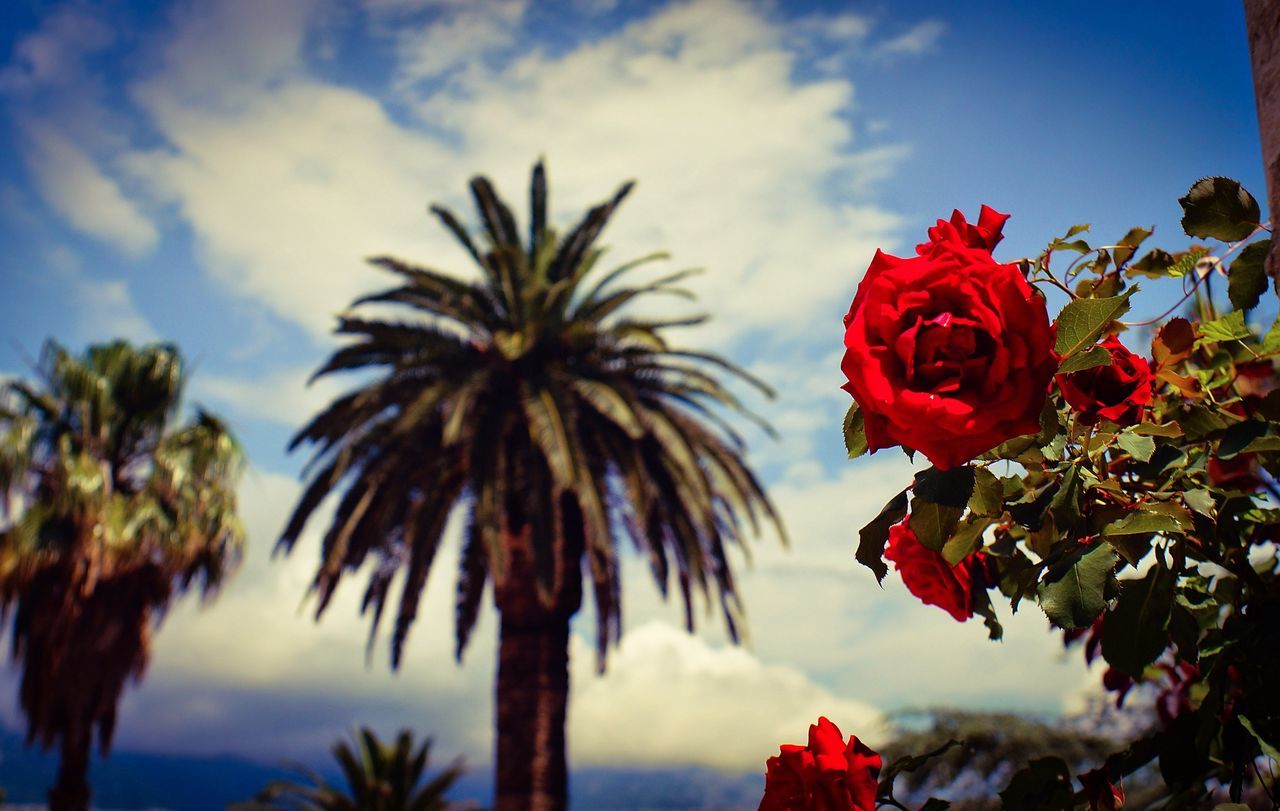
point(71, 791)
point(533, 676)
point(1262, 19)
point(532, 698)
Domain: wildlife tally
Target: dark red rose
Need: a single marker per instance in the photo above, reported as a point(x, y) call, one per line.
point(928, 576)
point(826, 775)
point(948, 352)
point(1102, 794)
point(1235, 473)
point(1118, 392)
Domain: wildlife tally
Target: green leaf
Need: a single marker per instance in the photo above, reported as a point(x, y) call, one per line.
point(1043, 784)
point(1138, 446)
point(1088, 359)
point(1134, 634)
point(933, 524)
point(1144, 522)
point(1083, 320)
point(1154, 264)
point(1129, 243)
point(1079, 246)
point(1271, 341)
point(1229, 327)
point(948, 487)
point(1073, 593)
point(966, 539)
point(1219, 208)
point(1267, 748)
point(1247, 276)
point(988, 493)
point(1199, 500)
point(938, 500)
point(873, 537)
point(1169, 429)
point(1239, 437)
point(855, 435)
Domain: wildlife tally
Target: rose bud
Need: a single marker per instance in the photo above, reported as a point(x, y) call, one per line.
point(928, 576)
point(1118, 392)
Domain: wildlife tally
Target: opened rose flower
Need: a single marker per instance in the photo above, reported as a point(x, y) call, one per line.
point(826, 775)
point(948, 352)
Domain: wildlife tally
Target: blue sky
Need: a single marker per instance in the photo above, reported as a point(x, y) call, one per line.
point(214, 173)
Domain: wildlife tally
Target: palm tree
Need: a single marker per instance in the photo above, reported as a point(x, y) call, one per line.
point(560, 424)
point(380, 777)
point(111, 511)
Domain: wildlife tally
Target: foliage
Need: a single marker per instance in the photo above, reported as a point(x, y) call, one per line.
point(379, 777)
point(112, 509)
point(1158, 532)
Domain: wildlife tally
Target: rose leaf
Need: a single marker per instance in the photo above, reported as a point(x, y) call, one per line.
point(1229, 327)
point(1138, 446)
point(1083, 320)
point(1091, 357)
point(873, 537)
point(1073, 593)
point(855, 434)
point(1247, 277)
point(1134, 634)
point(1219, 208)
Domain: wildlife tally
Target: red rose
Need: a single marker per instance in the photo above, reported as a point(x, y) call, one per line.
point(1235, 473)
point(927, 574)
point(826, 775)
point(1102, 794)
point(1118, 392)
point(948, 352)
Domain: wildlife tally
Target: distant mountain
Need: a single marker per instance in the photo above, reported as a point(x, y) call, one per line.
point(138, 780)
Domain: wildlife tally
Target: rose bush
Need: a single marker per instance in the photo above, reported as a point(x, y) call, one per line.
point(1135, 502)
point(948, 352)
point(826, 775)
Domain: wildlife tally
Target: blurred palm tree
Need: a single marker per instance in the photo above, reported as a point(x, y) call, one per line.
point(380, 777)
point(111, 510)
point(561, 421)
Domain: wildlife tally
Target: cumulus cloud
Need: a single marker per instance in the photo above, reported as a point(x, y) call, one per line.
point(699, 101)
point(669, 698)
point(434, 38)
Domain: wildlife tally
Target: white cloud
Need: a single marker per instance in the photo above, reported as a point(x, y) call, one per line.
point(103, 308)
point(918, 39)
point(282, 396)
point(290, 185)
point(452, 35)
point(669, 698)
point(75, 186)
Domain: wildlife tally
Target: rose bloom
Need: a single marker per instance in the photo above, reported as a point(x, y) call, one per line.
point(826, 775)
point(928, 576)
point(1118, 392)
point(948, 352)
